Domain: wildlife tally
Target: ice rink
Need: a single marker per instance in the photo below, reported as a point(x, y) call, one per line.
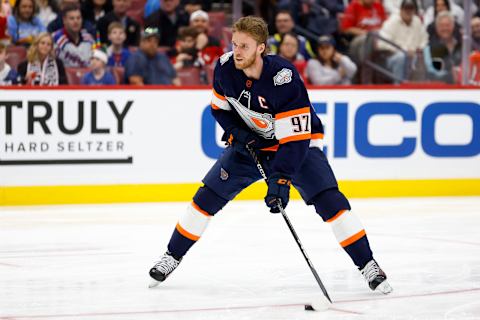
point(92, 262)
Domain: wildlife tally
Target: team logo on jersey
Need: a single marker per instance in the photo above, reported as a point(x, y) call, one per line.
point(223, 174)
point(283, 76)
point(224, 58)
point(260, 123)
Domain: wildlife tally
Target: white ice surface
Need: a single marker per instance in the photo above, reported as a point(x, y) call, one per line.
point(92, 262)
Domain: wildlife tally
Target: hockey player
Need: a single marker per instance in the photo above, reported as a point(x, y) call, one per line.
point(261, 101)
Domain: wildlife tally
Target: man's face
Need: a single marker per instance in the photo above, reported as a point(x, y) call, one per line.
point(245, 50)
point(117, 36)
point(407, 14)
point(73, 21)
point(476, 28)
point(149, 46)
point(169, 6)
point(200, 24)
point(284, 23)
point(25, 9)
point(120, 7)
point(444, 28)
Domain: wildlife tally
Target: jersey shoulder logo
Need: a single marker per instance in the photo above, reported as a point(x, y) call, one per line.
point(283, 76)
point(224, 58)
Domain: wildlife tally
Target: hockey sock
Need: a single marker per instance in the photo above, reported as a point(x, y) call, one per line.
point(351, 235)
point(206, 203)
point(188, 230)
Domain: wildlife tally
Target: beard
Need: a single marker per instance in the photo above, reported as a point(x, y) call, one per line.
point(246, 62)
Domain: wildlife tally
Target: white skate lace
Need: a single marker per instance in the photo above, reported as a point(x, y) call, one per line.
point(166, 264)
point(371, 270)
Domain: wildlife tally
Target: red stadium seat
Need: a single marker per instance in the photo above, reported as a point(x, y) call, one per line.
point(189, 76)
point(227, 38)
point(75, 75)
point(16, 55)
point(217, 22)
point(136, 14)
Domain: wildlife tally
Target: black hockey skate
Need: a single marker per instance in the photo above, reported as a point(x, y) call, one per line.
point(163, 268)
point(376, 278)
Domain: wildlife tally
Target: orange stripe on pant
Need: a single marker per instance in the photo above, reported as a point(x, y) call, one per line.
point(347, 227)
point(186, 234)
point(193, 222)
point(352, 239)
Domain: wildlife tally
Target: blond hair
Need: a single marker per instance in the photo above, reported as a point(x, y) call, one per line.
point(32, 54)
point(255, 27)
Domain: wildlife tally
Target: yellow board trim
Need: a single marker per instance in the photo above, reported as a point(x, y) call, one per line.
point(45, 195)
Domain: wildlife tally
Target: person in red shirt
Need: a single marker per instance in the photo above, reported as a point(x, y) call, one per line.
point(360, 17)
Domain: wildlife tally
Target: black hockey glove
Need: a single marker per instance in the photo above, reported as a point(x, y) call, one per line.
point(238, 135)
point(278, 190)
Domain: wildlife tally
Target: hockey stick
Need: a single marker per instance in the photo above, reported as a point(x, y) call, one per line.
point(289, 224)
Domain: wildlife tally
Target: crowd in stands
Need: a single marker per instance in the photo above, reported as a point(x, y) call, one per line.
point(177, 42)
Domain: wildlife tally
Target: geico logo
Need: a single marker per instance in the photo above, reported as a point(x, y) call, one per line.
point(425, 119)
point(44, 114)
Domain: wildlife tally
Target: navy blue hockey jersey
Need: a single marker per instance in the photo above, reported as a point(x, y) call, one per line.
point(275, 107)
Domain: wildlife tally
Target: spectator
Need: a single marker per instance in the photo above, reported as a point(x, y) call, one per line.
point(284, 23)
point(57, 24)
point(119, 13)
point(23, 25)
point(117, 53)
point(361, 16)
point(406, 30)
point(47, 11)
point(147, 65)
point(208, 46)
point(476, 33)
point(8, 75)
point(41, 66)
point(167, 20)
point(320, 16)
point(73, 45)
point(190, 6)
point(331, 67)
point(187, 52)
point(444, 51)
point(288, 49)
point(98, 74)
point(94, 10)
point(443, 5)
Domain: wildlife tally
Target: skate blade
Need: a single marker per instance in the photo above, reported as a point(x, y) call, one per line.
point(384, 287)
point(153, 284)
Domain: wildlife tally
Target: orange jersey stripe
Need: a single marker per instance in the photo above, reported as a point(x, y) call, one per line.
point(290, 113)
point(215, 107)
point(205, 213)
point(299, 137)
point(186, 234)
point(317, 135)
point(335, 217)
point(352, 239)
point(219, 96)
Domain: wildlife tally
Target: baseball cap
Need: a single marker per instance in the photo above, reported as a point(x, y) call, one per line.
point(326, 39)
point(408, 4)
point(100, 55)
point(199, 14)
point(150, 32)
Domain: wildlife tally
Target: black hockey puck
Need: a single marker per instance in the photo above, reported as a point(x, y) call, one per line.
point(309, 307)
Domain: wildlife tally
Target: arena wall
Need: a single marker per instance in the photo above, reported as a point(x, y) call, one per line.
point(104, 145)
